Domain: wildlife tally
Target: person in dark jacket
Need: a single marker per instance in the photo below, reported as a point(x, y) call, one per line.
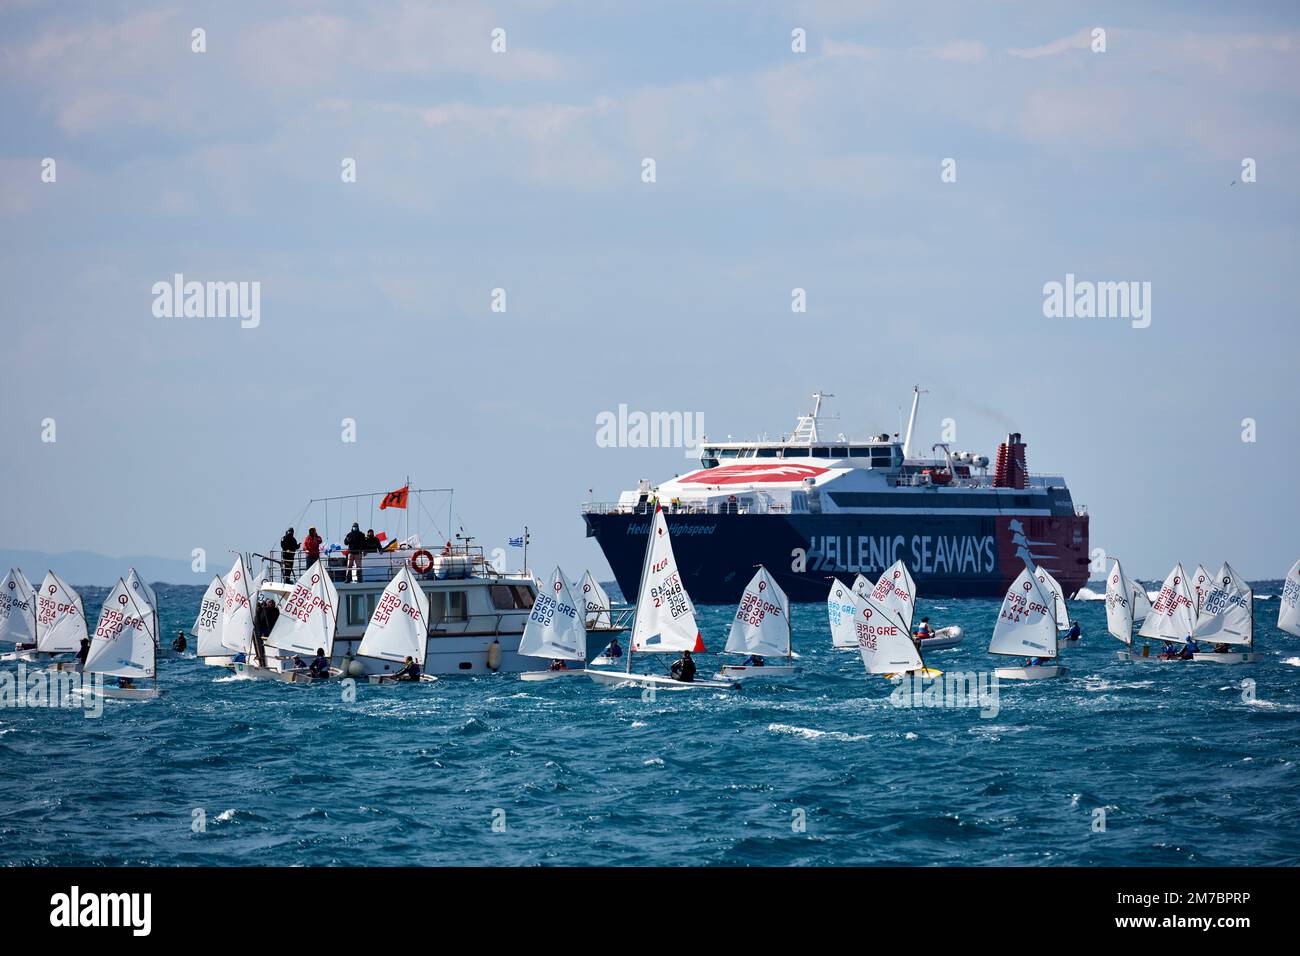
point(372, 543)
point(411, 671)
point(684, 668)
point(355, 542)
point(320, 665)
point(288, 554)
point(311, 547)
point(180, 643)
point(84, 651)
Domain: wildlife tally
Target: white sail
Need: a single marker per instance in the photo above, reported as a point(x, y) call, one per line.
point(1052, 588)
point(554, 628)
point(665, 616)
point(208, 625)
point(140, 588)
point(125, 640)
point(1288, 611)
point(60, 617)
point(1173, 616)
point(1119, 604)
point(884, 641)
point(17, 608)
point(1200, 583)
point(1141, 601)
point(843, 610)
point(1027, 621)
point(594, 600)
point(237, 610)
point(1227, 613)
point(863, 585)
point(896, 591)
point(762, 622)
point(308, 616)
point(399, 628)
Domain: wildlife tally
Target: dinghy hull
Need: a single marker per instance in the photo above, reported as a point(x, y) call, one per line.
point(731, 672)
point(944, 638)
point(625, 679)
point(1240, 657)
point(1042, 672)
point(551, 675)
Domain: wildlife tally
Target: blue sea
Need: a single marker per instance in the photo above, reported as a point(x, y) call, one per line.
point(1164, 764)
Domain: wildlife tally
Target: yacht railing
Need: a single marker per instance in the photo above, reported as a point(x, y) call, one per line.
point(457, 564)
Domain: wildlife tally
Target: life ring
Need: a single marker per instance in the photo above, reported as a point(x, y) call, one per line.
point(422, 562)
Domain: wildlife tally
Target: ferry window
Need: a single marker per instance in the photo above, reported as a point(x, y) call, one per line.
point(768, 452)
point(523, 597)
point(456, 606)
point(728, 453)
point(859, 452)
point(881, 460)
point(437, 606)
point(502, 599)
point(821, 452)
point(360, 607)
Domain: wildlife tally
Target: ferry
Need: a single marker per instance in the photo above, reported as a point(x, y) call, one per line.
point(476, 612)
point(810, 506)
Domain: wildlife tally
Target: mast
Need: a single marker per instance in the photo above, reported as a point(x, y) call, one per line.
point(645, 571)
point(911, 421)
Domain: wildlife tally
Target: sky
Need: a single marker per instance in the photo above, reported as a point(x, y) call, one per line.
point(523, 171)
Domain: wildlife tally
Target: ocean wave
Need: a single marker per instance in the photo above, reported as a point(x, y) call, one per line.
point(809, 733)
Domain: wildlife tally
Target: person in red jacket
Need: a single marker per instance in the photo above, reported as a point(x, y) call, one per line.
point(311, 547)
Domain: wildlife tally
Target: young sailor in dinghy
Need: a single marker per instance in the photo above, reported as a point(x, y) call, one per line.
point(664, 619)
point(1227, 616)
point(1173, 616)
point(555, 630)
point(683, 668)
point(125, 645)
point(410, 670)
point(760, 629)
point(1027, 627)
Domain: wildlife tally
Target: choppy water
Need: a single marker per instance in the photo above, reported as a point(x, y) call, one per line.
point(1189, 767)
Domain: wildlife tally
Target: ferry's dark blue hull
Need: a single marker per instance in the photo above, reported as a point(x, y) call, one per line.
point(948, 555)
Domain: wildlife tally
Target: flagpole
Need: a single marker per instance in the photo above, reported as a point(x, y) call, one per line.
point(525, 550)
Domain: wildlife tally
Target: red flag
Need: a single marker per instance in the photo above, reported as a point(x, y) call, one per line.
point(395, 499)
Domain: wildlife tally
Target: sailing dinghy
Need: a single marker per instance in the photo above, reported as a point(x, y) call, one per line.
point(237, 619)
point(1172, 617)
point(1027, 628)
point(60, 618)
point(399, 628)
point(885, 642)
point(595, 600)
point(308, 619)
point(761, 627)
point(1288, 610)
point(1052, 588)
point(842, 608)
point(1121, 596)
point(207, 628)
point(664, 618)
point(555, 631)
point(896, 591)
point(17, 614)
point(125, 646)
point(1227, 616)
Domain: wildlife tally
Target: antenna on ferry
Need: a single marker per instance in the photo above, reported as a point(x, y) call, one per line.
point(917, 392)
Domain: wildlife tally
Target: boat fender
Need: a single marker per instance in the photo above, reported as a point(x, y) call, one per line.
point(494, 655)
point(422, 562)
point(352, 667)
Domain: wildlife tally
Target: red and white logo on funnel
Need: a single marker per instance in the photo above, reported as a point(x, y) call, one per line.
point(752, 474)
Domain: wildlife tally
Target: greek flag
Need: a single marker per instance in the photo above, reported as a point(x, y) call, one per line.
point(517, 542)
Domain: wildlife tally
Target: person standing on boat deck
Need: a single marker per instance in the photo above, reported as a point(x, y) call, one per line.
point(684, 668)
point(311, 547)
point(272, 615)
point(320, 665)
point(288, 552)
point(355, 542)
point(372, 543)
point(261, 624)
